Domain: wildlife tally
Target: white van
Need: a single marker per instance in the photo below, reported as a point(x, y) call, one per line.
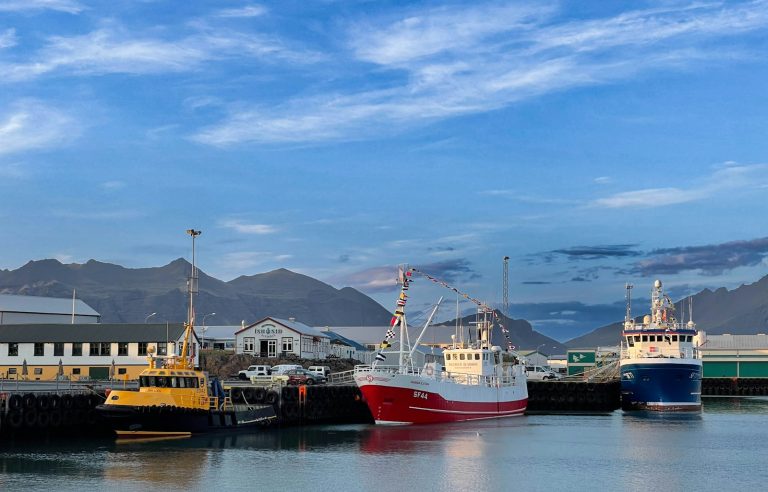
point(281, 368)
point(320, 370)
point(538, 373)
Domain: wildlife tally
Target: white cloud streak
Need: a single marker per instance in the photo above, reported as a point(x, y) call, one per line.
point(728, 178)
point(114, 50)
point(245, 228)
point(467, 59)
point(247, 11)
point(32, 125)
point(68, 6)
point(7, 38)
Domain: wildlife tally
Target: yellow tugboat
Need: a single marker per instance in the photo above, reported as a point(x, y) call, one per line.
point(174, 398)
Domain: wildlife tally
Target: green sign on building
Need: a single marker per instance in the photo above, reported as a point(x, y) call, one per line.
point(581, 357)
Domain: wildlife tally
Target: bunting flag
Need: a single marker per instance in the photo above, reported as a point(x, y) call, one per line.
point(385, 344)
point(482, 305)
point(380, 356)
point(390, 335)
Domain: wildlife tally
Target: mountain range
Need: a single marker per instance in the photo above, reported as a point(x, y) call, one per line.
point(126, 295)
point(740, 311)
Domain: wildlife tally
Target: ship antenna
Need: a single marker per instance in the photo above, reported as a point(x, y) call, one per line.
point(629, 302)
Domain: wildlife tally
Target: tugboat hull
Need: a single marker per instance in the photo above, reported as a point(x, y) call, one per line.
point(141, 421)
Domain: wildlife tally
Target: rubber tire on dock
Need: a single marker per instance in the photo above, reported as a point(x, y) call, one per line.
point(29, 401)
point(15, 402)
point(15, 419)
point(236, 394)
point(272, 397)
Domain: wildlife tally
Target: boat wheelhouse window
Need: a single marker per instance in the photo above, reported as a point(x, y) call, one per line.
point(477, 356)
point(461, 356)
point(674, 338)
point(447, 356)
point(689, 338)
point(637, 338)
point(485, 356)
point(630, 342)
point(645, 338)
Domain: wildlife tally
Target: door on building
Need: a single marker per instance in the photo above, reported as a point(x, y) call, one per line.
point(271, 348)
point(99, 373)
point(263, 348)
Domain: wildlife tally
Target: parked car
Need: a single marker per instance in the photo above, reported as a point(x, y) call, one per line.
point(540, 372)
point(320, 370)
point(282, 368)
point(254, 371)
point(303, 376)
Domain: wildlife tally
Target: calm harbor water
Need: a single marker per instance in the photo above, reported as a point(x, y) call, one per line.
point(723, 448)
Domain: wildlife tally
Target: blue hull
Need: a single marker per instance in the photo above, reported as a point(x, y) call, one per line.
point(661, 386)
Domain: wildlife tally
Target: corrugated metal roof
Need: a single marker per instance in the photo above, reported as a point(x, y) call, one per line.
point(300, 327)
point(218, 332)
point(90, 332)
point(735, 342)
point(10, 303)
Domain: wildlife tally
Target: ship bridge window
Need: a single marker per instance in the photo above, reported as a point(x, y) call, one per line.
point(674, 338)
point(637, 338)
point(645, 338)
point(630, 342)
point(461, 356)
point(485, 356)
point(477, 356)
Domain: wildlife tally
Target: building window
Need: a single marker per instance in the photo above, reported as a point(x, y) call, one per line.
point(248, 344)
point(76, 371)
point(162, 348)
point(121, 370)
point(58, 349)
point(38, 371)
point(77, 349)
point(142, 348)
point(288, 344)
point(13, 349)
point(39, 349)
point(106, 348)
point(122, 348)
point(93, 349)
point(12, 370)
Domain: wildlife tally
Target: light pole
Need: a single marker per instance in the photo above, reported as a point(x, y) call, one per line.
point(147, 318)
point(202, 342)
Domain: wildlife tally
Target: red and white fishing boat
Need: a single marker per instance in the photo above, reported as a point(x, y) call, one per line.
point(475, 383)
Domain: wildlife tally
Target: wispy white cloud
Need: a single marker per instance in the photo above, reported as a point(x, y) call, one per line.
point(464, 59)
point(727, 178)
point(68, 6)
point(246, 228)
point(32, 125)
point(7, 38)
point(603, 180)
point(247, 11)
point(112, 49)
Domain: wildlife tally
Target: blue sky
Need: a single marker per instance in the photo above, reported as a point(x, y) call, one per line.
point(595, 143)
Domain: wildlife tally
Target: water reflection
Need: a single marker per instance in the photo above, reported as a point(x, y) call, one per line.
point(731, 404)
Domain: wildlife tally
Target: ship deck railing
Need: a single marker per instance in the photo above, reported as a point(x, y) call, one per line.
point(458, 378)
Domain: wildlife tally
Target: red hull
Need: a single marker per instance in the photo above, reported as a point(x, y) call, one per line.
point(394, 405)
